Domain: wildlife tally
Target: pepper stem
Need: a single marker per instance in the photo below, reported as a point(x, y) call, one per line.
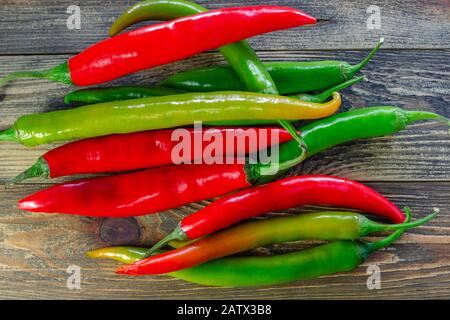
point(322, 97)
point(292, 131)
point(176, 234)
point(39, 169)
point(413, 116)
point(356, 68)
point(374, 246)
point(8, 135)
point(273, 169)
point(60, 73)
point(375, 227)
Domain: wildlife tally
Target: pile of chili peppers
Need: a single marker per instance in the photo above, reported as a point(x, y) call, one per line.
point(129, 130)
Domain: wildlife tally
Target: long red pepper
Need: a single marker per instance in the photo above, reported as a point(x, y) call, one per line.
point(140, 192)
point(144, 150)
point(166, 42)
point(283, 194)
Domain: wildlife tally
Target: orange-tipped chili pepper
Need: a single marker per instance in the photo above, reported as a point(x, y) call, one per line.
point(244, 237)
point(279, 195)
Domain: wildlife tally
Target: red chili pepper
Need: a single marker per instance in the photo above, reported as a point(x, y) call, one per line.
point(145, 150)
point(166, 42)
point(283, 194)
point(140, 192)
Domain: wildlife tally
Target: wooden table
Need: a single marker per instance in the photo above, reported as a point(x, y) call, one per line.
point(411, 168)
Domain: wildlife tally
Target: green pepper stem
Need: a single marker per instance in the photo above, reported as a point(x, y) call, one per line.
point(325, 95)
point(370, 247)
point(274, 169)
point(356, 68)
point(375, 227)
point(22, 74)
point(322, 97)
point(292, 131)
point(60, 73)
point(8, 135)
point(176, 234)
point(413, 116)
point(39, 169)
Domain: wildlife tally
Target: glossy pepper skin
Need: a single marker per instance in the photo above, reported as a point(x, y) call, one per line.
point(154, 190)
point(318, 136)
point(310, 76)
point(98, 95)
point(166, 42)
point(241, 238)
point(361, 124)
point(138, 193)
point(159, 113)
point(240, 55)
point(330, 258)
point(141, 150)
point(358, 124)
point(283, 194)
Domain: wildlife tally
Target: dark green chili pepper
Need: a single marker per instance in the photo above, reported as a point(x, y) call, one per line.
point(345, 127)
point(330, 258)
point(98, 95)
point(311, 76)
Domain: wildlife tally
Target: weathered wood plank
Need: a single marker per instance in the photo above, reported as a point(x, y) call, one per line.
point(36, 250)
point(410, 79)
point(40, 26)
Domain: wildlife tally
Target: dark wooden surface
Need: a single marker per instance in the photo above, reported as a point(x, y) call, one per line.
point(411, 168)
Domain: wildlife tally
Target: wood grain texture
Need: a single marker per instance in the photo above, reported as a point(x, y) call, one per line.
point(39, 26)
point(36, 250)
point(411, 168)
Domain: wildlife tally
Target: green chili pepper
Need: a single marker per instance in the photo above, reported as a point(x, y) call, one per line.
point(360, 124)
point(344, 127)
point(160, 112)
point(241, 57)
point(98, 95)
point(311, 76)
point(250, 235)
point(330, 258)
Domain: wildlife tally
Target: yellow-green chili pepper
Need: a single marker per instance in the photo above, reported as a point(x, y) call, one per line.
point(160, 112)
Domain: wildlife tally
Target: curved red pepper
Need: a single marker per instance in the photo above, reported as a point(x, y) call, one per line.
point(146, 149)
point(138, 193)
point(166, 42)
point(288, 193)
